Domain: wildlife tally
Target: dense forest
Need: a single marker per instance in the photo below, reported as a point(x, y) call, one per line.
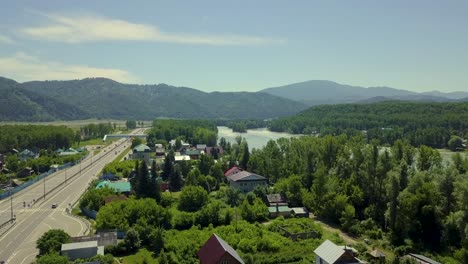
point(190, 131)
point(403, 198)
point(35, 137)
point(430, 124)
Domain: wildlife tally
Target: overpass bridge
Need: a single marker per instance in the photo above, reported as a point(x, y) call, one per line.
point(142, 136)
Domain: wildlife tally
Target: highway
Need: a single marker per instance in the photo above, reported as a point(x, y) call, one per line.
point(18, 240)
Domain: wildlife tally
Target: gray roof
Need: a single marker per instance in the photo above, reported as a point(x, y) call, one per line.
point(228, 249)
point(329, 251)
point(246, 176)
point(141, 148)
point(423, 258)
point(78, 245)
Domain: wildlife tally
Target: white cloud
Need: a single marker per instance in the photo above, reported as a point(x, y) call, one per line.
point(78, 29)
point(24, 67)
point(6, 40)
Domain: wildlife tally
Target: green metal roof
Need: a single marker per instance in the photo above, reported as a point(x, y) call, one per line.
point(281, 209)
point(119, 186)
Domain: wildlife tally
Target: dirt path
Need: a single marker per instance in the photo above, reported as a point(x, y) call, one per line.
point(348, 239)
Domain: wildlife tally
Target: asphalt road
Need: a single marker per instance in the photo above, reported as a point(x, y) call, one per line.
point(18, 240)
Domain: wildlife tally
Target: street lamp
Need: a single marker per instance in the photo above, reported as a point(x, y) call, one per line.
point(44, 188)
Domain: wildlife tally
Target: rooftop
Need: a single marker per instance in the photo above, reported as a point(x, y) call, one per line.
point(141, 148)
point(214, 248)
point(120, 186)
point(78, 245)
point(246, 176)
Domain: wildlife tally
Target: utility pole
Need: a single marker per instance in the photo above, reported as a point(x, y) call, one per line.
point(65, 175)
point(11, 200)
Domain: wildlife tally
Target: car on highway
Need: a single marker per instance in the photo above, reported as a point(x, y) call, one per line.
point(54, 205)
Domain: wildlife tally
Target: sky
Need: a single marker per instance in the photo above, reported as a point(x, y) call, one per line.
point(239, 45)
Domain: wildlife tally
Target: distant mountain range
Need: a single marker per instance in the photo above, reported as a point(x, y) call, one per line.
point(318, 92)
point(107, 99)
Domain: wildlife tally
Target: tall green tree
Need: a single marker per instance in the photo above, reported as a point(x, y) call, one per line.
point(51, 241)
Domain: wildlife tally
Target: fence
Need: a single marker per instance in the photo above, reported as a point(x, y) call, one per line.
point(38, 178)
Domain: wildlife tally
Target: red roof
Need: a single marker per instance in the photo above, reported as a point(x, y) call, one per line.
point(214, 249)
point(232, 170)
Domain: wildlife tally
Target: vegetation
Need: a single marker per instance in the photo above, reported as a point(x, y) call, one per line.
point(51, 241)
point(106, 99)
point(191, 131)
point(35, 137)
point(430, 124)
point(403, 193)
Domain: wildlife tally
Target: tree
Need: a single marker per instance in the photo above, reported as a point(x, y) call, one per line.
point(192, 198)
point(51, 241)
point(143, 186)
point(157, 240)
point(155, 188)
point(175, 181)
point(168, 165)
point(136, 141)
point(455, 143)
point(52, 258)
point(204, 164)
point(244, 160)
point(132, 239)
point(131, 124)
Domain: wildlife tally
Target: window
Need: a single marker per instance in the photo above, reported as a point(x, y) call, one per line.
point(225, 262)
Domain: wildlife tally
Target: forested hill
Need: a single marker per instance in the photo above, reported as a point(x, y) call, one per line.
point(317, 92)
point(105, 98)
point(431, 124)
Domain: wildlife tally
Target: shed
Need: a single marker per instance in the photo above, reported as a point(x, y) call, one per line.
point(80, 250)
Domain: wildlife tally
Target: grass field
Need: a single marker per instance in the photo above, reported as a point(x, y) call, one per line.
point(142, 256)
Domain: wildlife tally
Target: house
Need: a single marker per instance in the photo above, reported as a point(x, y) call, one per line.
point(69, 152)
point(300, 212)
point(27, 154)
point(275, 199)
point(182, 143)
point(160, 150)
point(232, 170)
point(276, 211)
point(141, 152)
point(109, 176)
point(25, 172)
point(210, 151)
point(218, 251)
point(246, 181)
point(180, 158)
point(194, 154)
point(102, 238)
point(201, 147)
point(421, 259)
point(80, 250)
point(377, 256)
point(123, 187)
point(329, 253)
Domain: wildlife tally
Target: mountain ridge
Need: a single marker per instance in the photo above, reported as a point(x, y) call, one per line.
point(107, 99)
point(316, 92)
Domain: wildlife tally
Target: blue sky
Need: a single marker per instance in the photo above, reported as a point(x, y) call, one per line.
point(239, 45)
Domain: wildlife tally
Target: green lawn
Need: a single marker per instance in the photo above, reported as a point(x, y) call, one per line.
point(142, 256)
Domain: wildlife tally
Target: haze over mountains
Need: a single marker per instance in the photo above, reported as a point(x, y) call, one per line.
point(107, 99)
point(317, 92)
